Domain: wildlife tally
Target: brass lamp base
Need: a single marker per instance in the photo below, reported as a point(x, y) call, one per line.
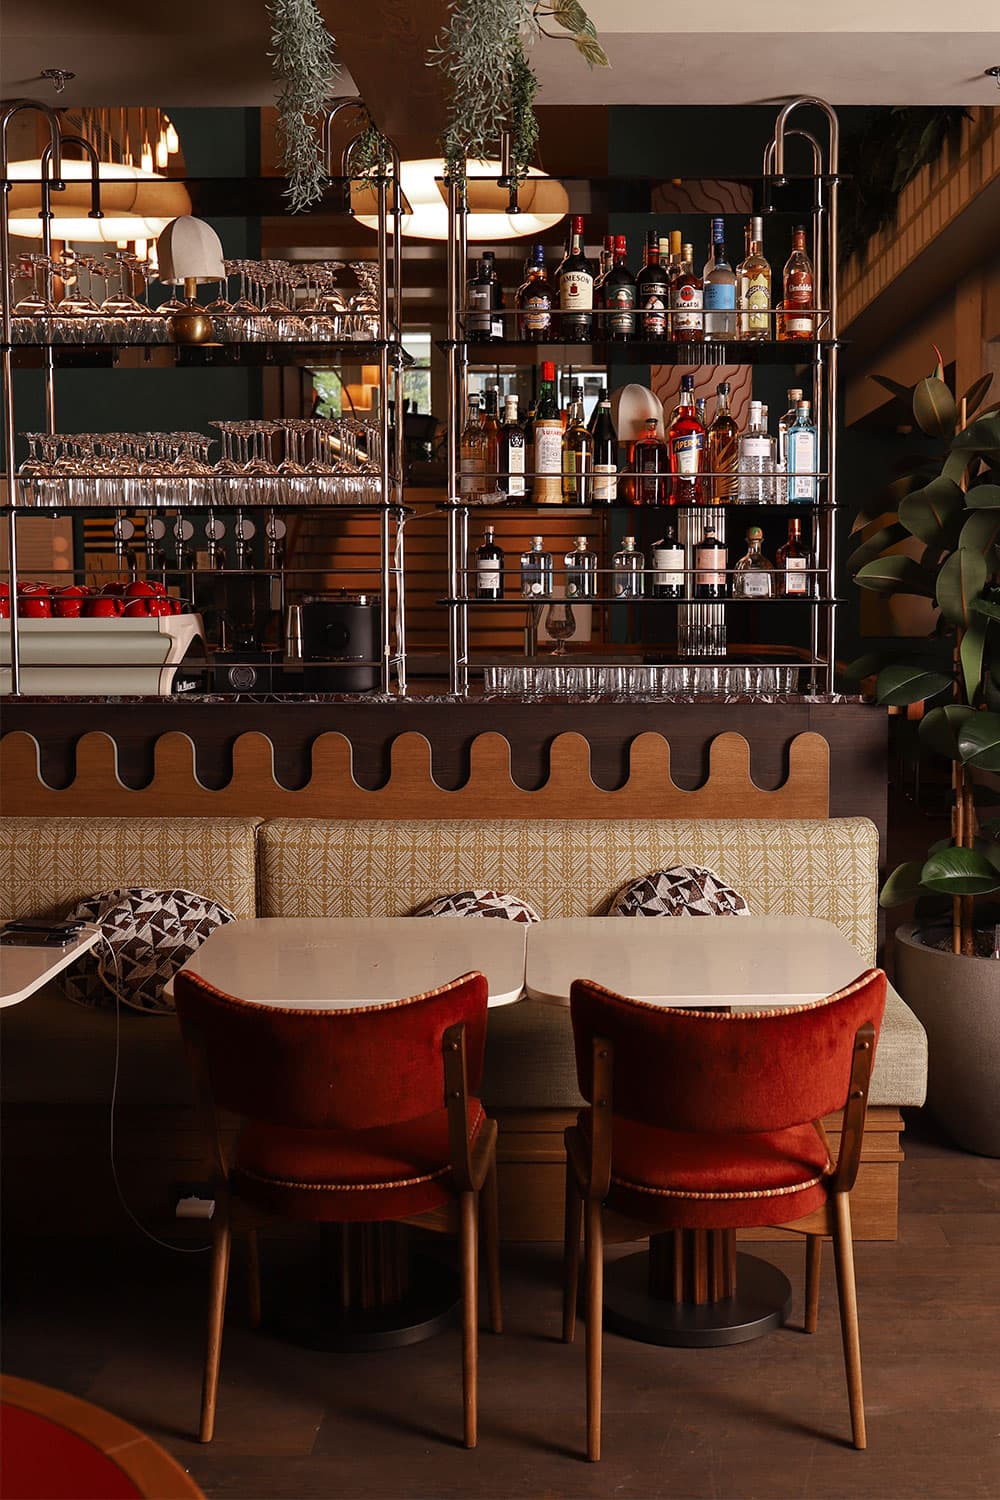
point(192, 325)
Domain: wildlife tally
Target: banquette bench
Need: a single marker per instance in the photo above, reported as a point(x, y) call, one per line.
point(58, 1058)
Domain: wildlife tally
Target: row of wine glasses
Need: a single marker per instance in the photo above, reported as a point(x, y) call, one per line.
point(275, 301)
point(568, 680)
point(291, 461)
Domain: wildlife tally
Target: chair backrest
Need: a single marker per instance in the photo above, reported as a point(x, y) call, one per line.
point(716, 1071)
point(332, 1069)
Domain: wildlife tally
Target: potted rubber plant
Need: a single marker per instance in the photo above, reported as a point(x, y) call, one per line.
point(947, 519)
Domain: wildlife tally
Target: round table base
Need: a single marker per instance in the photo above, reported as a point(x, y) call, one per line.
point(761, 1302)
point(317, 1321)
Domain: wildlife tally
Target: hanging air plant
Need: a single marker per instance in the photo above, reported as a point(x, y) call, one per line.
point(492, 83)
point(304, 65)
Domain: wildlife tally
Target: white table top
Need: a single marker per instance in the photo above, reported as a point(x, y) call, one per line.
point(325, 963)
point(25, 968)
point(741, 961)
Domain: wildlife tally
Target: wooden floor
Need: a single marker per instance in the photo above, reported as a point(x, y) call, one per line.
point(120, 1323)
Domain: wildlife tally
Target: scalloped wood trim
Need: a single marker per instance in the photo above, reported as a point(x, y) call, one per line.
point(411, 791)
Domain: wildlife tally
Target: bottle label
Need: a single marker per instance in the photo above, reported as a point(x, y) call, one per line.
point(537, 315)
point(532, 580)
point(720, 296)
point(621, 316)
point(796, 579)
point(801, 464)
point(496, 327)
point(488, 574)
point(711, 567)
point(605, 484)
point(576, 291)
point(688, 302)
point(471, 480)
point(687, 451)
point(514, 482)
point(654, 311)
point(755, 447)
point(478, 313)
point(548, 447)
point(798, 293)
point(755, 585)
point(668, 564)
point(757, 300)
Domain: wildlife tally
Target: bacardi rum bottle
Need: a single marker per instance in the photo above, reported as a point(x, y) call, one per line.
point(686, 317)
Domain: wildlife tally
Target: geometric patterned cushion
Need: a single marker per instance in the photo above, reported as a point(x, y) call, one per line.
point(681, 891)
point(147, 936)
point(479, 904)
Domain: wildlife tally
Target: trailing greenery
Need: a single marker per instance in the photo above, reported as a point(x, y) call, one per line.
point(492, 85)
point(302, 54)
point(370, 153)
point(878, 162)
point(950, 504)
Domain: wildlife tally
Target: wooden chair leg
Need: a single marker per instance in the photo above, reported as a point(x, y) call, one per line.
point(470, 1315)
point(491, 1215)
point(219, 1278)
point(814, 1261)
point(594, 1231)
point(253, 1278)
point(843, 1249)
point(571, 1256)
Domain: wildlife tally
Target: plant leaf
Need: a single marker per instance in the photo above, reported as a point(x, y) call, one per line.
point(981, 531)
point(592, 51)
point(982, 436)
point(976, 394)
point(986, 607)
point(959, 582)
point(925, 141)
point(934, 407)
point(895, 386)
point(956, 466)
point(878, 542)
point(571, 15)
point(971, 656)
point(979, 741)
point(906, 683)
point(938, 730)
point(927, 513)
point(898, 574)
point(902, 885)
point(959, 872)
point(983, 497)
point(865, 666)
point(989, 848)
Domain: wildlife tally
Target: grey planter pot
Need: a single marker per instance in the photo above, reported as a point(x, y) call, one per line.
point(958, 1001)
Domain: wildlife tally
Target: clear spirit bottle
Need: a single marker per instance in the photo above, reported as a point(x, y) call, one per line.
point(536, 570)
point(801, 461)
point(720, 298)
point(753, 577)
point(628, 566)
point(581, 571)
point(756, 461)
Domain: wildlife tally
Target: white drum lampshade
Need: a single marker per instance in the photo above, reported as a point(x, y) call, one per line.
point(189, 250)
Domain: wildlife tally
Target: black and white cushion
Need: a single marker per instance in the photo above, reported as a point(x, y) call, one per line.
point(681, 891)
point(147, 936)
point(479, 904)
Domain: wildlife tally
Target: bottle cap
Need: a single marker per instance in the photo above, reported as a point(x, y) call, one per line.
point(581, 542)
point(488, 533)
point(538, 542)
point(794, 395)
point(754, 534)
point(687, 252)
point(722, 389)
point(577, 224)
point(609, 242)
point(620, 244)
point(754, 409)
point(687, 382)
point(756, 227)
point(675, 242)
point(628, 543)
point(548, 369)
point(803, 406)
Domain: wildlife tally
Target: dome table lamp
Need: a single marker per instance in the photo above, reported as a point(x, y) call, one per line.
point(189, 251)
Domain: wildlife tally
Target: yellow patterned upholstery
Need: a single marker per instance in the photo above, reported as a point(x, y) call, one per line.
point(315, 868)
point(47, 864)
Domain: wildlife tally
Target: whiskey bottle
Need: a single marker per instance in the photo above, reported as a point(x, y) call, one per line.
point(484, 303)
point(674, 264)
point(668, 567)
point(472, 476)
point(709, 565)
point(511, 457)
point(628, 578)
point(581, 571)
point(534, 300)
point(576, 290)
point(536, 570)
point(800, 461)
point(489, 567)
point(798, 292)
point(651, 291)
point(754, 288)
point(649, 462)
point(723, 449)
point(491, 443)
point(548, 435)
point(686, 441)
point(754, 574)
point(577, 455)
point(619, 296)
point(792, 564)
point(605, 491)
point(686, 317)
point(719, 297)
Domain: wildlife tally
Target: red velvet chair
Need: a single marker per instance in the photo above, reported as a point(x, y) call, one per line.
point(349, 1116)
point(712, 1121)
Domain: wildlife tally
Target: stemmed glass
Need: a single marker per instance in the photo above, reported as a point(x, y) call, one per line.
point(560, 624)
point(35, 308)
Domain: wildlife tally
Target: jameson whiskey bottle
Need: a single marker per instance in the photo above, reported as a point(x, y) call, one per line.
point(548, 438)
point(576, 290)
point(489, 567)
point(723, 449)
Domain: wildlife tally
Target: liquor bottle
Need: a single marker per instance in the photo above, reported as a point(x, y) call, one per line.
point(720, 297)
point(628, 579)
point(709, 565)
point(801, 458)
point(651, 291)
point(756, 460)
point(649, 461)
point(607, 261)
point(716, 236)
point(754, 574)
point(792, 564)
point(577, 455)
point(786, 423)
point(673, 271)
point(754, 287)
point(534, 300)
point(581, 571)
point(472, 450)
point(548, 435)
point(723, 449)
point(686, 440)
point(602, 395)
point(687, 318)
point(605, 490)
point(491, 443)
point(668, 567)
point(576, 290)
point(619, 296)
point(511, 455)
point(489, 567)
point(798, 291)
point(701, 410)
point(479, 303)
point(536, 570)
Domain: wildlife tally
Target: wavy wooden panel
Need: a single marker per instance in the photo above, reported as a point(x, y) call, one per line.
point(411, 791)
